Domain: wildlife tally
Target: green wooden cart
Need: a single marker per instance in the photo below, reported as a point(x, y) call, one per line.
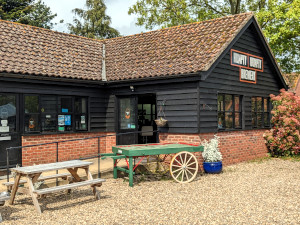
point(183, 165)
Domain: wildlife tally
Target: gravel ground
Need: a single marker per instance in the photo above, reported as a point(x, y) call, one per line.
point(266, 192)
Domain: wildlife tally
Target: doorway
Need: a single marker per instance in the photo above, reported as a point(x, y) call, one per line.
point(146, 117)
point(136, 113)
point(9, 135)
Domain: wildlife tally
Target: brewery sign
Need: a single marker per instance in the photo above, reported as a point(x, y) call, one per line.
point(248, 64)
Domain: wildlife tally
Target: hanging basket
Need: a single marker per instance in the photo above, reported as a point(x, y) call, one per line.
point(161, 122)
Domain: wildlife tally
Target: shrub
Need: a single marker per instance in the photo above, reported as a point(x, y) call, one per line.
point(284, 138)
point(211, 150)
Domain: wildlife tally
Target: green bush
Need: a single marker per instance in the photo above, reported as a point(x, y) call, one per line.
point(284, 138)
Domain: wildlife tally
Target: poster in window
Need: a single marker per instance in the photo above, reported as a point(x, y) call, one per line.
point(82, 119)
point(67, 120)
point(61, 120)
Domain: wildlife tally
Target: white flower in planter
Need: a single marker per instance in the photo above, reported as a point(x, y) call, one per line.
point(211, 151)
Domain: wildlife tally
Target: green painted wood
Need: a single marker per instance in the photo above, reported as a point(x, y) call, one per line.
point(124, 170)
point(156, 149)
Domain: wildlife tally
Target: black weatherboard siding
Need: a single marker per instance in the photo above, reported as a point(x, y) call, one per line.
point(225, 79)
point(181, 101)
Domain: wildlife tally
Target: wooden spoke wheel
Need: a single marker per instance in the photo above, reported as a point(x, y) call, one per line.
point(184, 167)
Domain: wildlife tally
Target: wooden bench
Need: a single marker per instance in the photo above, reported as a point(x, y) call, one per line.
point(93, 183)
point(41, 178)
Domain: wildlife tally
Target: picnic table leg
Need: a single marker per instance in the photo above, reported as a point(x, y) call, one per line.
point(33, 196)
point(115, 169)
point(15, 188)
point(90, 177)
point(130, 172)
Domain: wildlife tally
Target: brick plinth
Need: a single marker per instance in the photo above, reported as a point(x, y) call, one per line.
point(66, 150)
point(235, 146)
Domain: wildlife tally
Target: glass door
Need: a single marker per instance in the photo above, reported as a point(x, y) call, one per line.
point(127, 121)
point(9, 135)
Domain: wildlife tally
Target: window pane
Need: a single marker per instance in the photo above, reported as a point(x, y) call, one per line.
point(81, 122)
point(259, 104)
point(221, 120)
point(228, 120)
point(48, 104)
point(228, 103)
point(265, 105)
point(253, 104)
point(80, 105)
point(64, 123)
point(48, 122)
point(220, 103)
point(65, 105)
point(259, 119)
point(237, 120)
point(8, 113)
point(266, 120)
point(32, 122)
point(32, 104)
point(237, 103)
point(127, 113)
point(254, 119)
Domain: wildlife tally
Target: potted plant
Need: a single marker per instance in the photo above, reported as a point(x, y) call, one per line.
point(161, 121)
point(212, 156)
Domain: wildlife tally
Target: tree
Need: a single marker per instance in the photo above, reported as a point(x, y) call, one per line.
point(279, 20)
point(93, 22)
point(27, 12)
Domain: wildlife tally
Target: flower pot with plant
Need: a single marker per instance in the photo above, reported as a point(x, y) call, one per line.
point(212, 156)
point(161, 121)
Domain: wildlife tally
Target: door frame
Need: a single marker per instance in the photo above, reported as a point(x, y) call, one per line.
point(117, 117)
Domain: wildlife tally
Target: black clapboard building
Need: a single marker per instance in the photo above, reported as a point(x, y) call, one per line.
point(205, 78)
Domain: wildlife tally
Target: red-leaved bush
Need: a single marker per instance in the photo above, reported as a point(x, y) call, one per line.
point(284, 138)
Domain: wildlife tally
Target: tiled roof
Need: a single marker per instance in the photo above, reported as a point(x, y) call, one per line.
point(172, 51)
point(30, 50)
point(292, 80)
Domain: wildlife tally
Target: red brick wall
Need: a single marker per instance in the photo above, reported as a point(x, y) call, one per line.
point(235, 146)
point(67, 150)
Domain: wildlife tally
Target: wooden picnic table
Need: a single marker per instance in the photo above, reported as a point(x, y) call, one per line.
point(33, 175)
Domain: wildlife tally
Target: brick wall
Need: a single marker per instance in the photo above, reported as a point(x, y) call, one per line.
point(235, 146)
point(67, 150)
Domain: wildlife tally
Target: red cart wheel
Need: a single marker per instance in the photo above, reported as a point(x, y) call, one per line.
point(184, 167)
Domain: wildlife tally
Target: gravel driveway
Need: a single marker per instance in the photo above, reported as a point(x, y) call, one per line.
point(266, 192)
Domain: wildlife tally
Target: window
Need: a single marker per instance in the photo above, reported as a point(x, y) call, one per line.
point(260, 110)
point(80, 114)
point(32, 115)
point(49, 113)
point(7, 113)
point(229, 111)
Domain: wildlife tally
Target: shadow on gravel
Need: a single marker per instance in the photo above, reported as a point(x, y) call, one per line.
point(7, 211)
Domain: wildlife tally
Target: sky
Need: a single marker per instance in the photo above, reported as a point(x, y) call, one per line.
point(116, 9)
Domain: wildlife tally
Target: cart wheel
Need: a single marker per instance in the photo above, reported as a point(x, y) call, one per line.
point(184, 167)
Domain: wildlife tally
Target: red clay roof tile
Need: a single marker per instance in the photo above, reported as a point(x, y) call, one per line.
point(177, 50)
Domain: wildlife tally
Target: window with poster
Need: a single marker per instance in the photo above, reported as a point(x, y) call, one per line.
point(50, 113)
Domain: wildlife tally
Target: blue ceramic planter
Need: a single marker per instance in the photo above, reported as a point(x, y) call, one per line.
point(212, 167)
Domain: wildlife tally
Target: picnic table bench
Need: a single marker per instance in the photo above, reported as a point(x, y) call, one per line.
point(33, 175)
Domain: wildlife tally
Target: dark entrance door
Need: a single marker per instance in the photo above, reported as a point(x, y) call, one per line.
point(127, 121)
point(9, 136)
